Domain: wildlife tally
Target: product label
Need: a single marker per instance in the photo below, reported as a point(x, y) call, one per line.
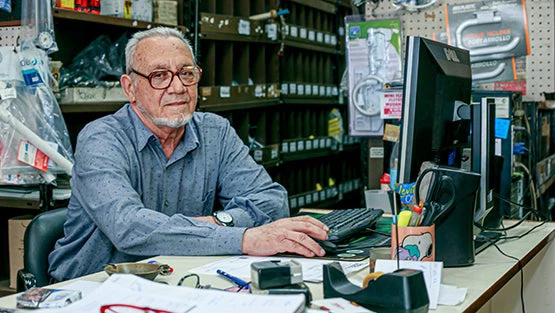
point(30, 155)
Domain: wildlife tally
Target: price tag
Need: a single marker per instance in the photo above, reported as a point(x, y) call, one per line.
point(284, 147)
point(292, 146)
point(322, 92)
point(300, 145)
point(258, 155)
point(284, 88)
point(244, 28)
point(316, 143)
point(333, 40)
point(315, 196)
point(294, 31)
point(300, 90)
point(308, 144)
point(311, 35)
point(293, 88)
point(315, 90)
point(301, 201)
point(303, 33)
point(293, 202)
point(271, 31)
point(320, 37)
point(274, 154)
point(225, 92)
point(259, 92)
point(327, 39)
point(307, 90)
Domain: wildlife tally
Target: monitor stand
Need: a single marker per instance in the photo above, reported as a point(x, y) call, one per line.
point(484, 240)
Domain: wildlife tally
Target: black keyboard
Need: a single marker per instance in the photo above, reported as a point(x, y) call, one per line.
point(344, 224)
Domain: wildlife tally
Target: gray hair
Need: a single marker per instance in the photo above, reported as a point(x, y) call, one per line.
point(153, 32)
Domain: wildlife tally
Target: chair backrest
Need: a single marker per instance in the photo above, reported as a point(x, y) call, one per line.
point(40, 236)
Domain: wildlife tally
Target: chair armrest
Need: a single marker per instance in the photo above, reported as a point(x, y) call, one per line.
point(25, 280)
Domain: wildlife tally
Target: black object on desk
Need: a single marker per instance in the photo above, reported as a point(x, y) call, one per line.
point(344, 224)
point(403, 291)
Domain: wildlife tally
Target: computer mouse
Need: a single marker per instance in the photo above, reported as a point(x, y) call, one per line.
point(328, 246)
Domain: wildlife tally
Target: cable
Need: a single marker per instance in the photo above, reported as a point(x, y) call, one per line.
point(520, 269)
point(531, 181)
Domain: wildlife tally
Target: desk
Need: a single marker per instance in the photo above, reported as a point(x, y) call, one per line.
point(493, 281)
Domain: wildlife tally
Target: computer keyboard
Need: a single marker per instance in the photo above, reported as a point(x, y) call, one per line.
point(344, 224)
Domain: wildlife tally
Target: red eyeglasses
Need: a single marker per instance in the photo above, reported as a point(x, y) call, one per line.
point(128, 308)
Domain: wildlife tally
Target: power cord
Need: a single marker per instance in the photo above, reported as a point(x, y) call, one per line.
point(520, 269)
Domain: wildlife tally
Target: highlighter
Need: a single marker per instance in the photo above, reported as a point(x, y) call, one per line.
point(404, 218)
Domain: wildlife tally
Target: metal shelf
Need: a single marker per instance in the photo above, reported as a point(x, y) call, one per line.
point(108, 20)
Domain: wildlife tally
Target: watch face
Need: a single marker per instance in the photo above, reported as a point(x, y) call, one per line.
point(224, 217)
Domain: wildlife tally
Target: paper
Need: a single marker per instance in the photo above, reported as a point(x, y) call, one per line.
point(339, 305)
point(137, 291)
point(431, 271)
point(451, 295)
point(240, 266)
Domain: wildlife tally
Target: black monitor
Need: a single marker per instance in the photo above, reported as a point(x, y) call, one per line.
point(435, 123)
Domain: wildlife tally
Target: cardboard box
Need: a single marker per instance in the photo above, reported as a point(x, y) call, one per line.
point(117, 8)
point(165, 12)
point(16, 234)
point(73, 95)
point(141, 10)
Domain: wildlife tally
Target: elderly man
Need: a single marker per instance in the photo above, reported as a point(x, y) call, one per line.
point(146, 178)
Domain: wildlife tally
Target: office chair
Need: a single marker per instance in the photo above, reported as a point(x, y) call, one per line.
point(40, 236)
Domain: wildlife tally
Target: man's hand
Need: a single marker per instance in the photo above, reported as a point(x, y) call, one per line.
point(291, 235)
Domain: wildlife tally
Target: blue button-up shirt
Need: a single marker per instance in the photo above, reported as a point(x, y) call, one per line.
point(130, 202)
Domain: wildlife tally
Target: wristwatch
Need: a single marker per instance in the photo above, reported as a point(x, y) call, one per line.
point(223, 218)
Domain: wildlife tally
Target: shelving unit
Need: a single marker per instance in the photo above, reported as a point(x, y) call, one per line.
point(277, 81)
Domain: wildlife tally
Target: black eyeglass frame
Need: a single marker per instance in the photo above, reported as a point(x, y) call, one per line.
point(195, 69)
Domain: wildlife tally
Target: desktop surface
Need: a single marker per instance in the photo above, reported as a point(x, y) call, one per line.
point(485, 279)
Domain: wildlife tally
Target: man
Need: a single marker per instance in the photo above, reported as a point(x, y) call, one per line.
point(146, 178)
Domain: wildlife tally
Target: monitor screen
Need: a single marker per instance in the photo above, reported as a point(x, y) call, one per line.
point(435, 123)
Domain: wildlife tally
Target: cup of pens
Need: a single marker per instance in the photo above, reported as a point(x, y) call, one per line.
point(410, 240)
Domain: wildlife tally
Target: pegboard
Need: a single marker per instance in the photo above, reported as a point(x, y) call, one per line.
point(540, 64)
point(8, 35)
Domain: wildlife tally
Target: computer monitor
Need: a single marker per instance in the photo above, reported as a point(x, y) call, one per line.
point(435, 123)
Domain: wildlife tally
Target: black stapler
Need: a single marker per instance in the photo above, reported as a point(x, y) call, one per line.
point(402, 291)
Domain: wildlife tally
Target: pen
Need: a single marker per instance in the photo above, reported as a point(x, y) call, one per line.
point(238, 281)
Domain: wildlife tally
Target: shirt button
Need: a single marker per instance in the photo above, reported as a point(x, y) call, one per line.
point(166, 203)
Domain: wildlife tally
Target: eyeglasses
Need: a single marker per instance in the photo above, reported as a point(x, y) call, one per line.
point(128, 308)
point(162, 79)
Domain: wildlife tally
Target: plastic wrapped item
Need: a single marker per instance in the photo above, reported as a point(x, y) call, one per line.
point(98, 65)
point(37, 25)
point(34, 142)
point(6, 5)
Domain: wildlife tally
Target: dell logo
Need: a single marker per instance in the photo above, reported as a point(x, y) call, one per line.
point(451, 55)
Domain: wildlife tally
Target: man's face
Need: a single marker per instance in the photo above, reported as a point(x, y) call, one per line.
point(170, 107)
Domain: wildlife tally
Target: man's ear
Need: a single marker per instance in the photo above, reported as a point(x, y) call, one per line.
point(128, 88)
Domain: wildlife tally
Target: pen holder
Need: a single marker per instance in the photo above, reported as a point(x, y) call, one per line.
point(413, 243)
